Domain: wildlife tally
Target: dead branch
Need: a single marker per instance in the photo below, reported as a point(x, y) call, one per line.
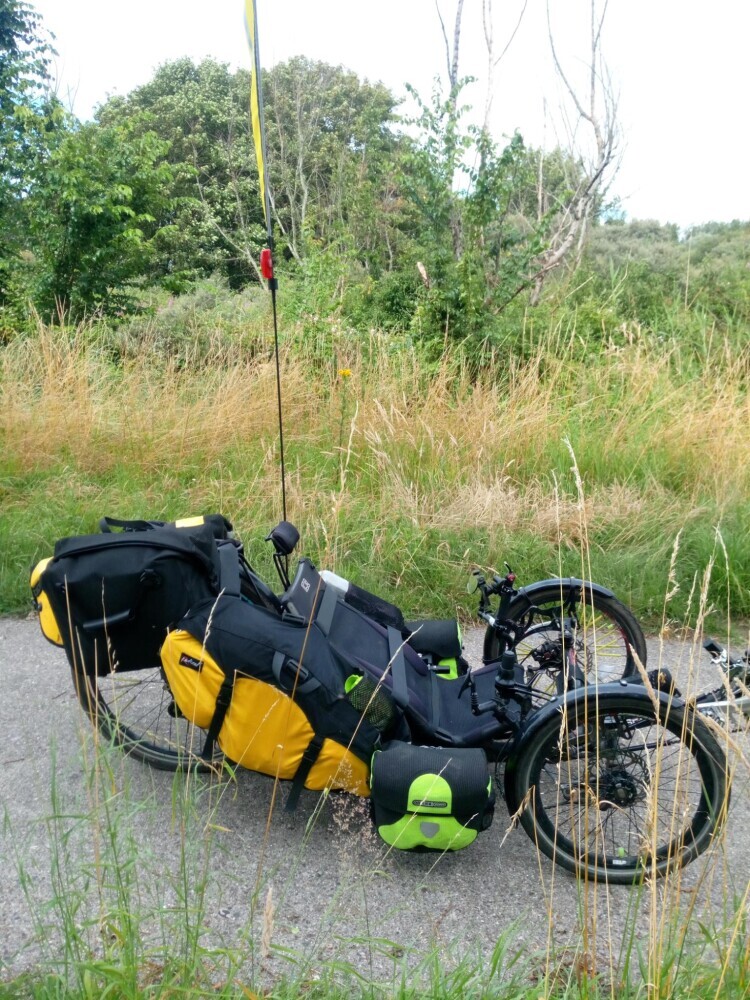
point(573, 222)
point(452, 59)
point(493, 60)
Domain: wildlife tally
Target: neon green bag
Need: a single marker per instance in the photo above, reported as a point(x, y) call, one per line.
point(430, 798)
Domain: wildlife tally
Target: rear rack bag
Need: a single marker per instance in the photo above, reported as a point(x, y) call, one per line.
point(110, 599)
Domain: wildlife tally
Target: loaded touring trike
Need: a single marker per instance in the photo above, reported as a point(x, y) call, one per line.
point(186, 658)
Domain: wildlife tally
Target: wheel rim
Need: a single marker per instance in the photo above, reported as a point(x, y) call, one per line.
point(627, 800)
point(136, 709)
point(598, 649)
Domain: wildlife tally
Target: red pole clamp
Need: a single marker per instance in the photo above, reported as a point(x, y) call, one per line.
point(266, 264)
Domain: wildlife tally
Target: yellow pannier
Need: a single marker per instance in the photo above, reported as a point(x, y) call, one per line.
point(263, 728)
point(47, 619)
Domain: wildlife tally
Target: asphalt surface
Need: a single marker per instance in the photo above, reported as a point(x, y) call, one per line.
point(333, 882)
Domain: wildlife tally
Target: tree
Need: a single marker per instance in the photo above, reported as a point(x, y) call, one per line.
point(24, 94)
point(517, 214)
point(330, 136)
point(477, 250)
point(201, 113)
point(595, 111)
point(329, 140)
point(30, 123)
point(95, 217)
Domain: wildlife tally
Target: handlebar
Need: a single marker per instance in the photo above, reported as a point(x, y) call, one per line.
point(502, 586)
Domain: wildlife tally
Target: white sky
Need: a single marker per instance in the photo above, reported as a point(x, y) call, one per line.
point(680, 68)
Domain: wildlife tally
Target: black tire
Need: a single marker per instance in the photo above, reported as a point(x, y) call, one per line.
point(614, 793)
point(606, 636)
point(135, 710)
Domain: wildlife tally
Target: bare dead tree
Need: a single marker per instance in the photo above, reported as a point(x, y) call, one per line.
point(596, 114)
point(451, 58)
point(590, 120)
point(451, 53)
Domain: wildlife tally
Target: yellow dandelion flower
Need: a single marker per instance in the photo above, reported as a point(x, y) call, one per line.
point(345, 372)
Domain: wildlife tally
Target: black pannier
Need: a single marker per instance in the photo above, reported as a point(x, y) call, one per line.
point(115, 595)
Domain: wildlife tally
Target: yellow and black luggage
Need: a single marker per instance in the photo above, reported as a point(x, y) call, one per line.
point(110, 598)
point(271, 693)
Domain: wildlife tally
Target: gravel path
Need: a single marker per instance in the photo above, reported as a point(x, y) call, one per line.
point(331, 883)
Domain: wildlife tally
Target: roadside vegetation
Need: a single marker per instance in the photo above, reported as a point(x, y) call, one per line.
point(402, 472)
point(448, 339)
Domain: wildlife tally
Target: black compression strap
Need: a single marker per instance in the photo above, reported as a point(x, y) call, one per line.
point(326, 609)
point(229, 559)
point(398, 667)
point(300, 680)
point(223, 701)
point(305, 766)
point(435, 683)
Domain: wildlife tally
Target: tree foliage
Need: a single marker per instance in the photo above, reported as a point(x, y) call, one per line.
point(330, 141)
point(481, 219)
point(30, 119)
point(95, 217)
point(24, 98)
point(647, 276)
point(428, 226)
point(201, 113)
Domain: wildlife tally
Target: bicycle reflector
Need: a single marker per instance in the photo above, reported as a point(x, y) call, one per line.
point(266, 264)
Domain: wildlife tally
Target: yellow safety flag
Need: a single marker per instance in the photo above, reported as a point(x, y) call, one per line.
point(256, 108)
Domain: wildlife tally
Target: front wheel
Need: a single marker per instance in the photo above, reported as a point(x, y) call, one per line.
point(562, 621)
point(615, 788)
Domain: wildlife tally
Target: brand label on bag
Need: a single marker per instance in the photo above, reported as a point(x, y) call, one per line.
point(191, 662)
point(429, 804)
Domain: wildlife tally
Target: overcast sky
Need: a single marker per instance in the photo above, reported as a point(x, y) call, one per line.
point(680, 69)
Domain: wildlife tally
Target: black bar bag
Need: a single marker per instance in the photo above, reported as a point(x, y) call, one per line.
point(114, 596)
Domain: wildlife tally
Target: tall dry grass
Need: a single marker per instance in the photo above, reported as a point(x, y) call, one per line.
point(397, 454)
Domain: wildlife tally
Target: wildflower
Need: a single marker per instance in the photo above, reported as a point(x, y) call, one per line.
point(345, 372)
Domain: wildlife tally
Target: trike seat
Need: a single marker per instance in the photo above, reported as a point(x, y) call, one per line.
point(440, 706)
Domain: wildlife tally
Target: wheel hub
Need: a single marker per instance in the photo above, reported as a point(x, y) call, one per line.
point(618, 788)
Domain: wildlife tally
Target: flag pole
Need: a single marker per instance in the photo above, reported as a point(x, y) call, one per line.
point(266, 255)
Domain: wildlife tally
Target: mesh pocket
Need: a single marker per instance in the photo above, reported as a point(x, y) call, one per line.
point(371, 701)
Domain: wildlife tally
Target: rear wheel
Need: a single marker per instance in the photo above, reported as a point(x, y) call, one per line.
point(616, 791)
point(135, 710)
point(592, 637)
